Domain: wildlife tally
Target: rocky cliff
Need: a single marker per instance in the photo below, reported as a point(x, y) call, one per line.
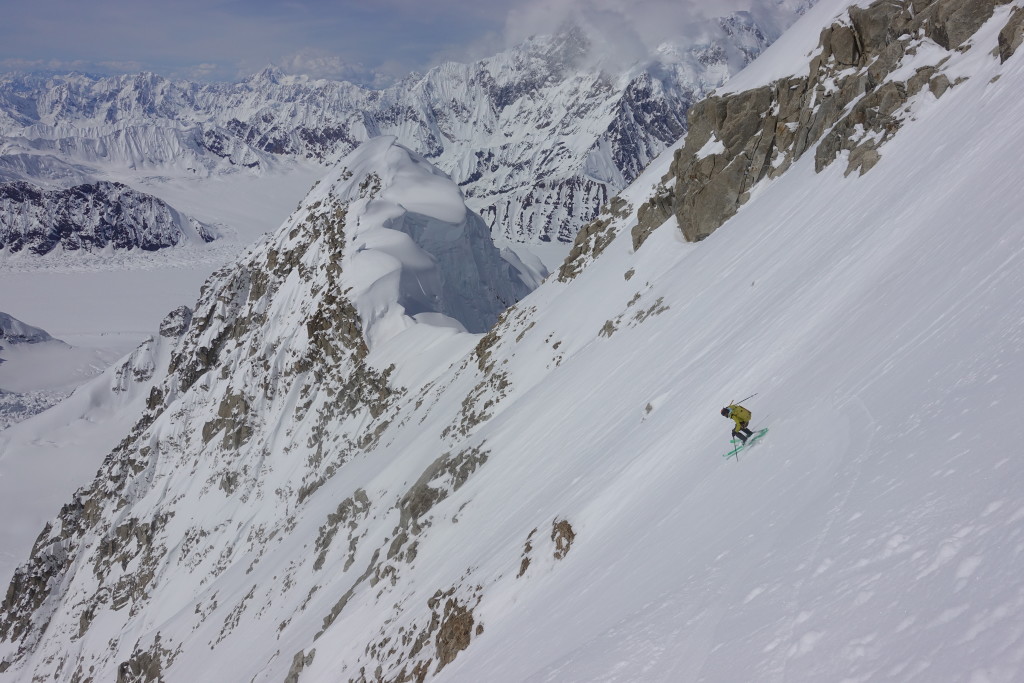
point(869, 68)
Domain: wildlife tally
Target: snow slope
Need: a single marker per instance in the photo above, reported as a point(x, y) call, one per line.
point(547, 502)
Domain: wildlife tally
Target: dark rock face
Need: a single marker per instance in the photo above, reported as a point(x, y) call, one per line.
point(845, 106)
point(176, 322)
point(1012, 34)
point(89, 217)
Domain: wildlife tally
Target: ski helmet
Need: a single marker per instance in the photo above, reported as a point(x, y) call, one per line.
point(725, 412)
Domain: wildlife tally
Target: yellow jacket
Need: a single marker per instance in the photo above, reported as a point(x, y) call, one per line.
point(739, 415)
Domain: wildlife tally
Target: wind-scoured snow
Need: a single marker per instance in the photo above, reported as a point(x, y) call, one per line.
point(548, 502)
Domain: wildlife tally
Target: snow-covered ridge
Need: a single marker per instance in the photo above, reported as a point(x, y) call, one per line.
point(413, 249)
point(13, 331)
point(382, 250)
point(91, 217)
point(538, 136)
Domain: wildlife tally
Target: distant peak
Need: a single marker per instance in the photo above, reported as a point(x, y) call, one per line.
point(15, 331)
point(269, 74)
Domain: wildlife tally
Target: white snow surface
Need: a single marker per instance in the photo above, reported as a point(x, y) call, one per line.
point(876, 533)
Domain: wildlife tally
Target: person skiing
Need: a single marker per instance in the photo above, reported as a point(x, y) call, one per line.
point(741, 416)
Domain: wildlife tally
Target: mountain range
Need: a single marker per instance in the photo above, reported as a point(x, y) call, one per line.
point(538, 137)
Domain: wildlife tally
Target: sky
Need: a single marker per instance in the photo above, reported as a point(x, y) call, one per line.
point(366, 41)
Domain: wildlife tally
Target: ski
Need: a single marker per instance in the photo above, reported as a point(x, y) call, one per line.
point(756, 436)
point(739, 445)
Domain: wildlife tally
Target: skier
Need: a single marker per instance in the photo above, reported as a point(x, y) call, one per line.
point(741, 416)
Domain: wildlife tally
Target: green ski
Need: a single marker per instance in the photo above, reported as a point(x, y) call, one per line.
point(739, 445)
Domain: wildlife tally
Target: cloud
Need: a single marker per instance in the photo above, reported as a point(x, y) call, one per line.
point(322, 64)
point(627, 24)
point(356, 40)
point(202, 72)
point(622, 32)
point(19, 64)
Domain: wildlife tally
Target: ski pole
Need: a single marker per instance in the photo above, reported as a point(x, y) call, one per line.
point(744, 399)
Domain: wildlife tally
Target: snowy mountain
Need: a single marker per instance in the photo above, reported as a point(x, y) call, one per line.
point(38, 371)
point(329, 479)
point(13, 331)
point(91, 217)
point(538, 136)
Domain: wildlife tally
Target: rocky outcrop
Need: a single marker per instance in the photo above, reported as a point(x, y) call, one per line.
point(176, 322)
point(593, 239)
point(91, 217)
point(1012, 34)
point(848, 106)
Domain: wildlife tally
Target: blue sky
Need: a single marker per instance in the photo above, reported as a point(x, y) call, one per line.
point(348, 39)
point(226, 39)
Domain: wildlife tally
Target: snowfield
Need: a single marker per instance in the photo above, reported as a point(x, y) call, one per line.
point(551, 496)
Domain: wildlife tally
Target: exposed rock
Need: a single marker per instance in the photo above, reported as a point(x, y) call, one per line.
point(656, 210)
point(299, 662)
point(563, 536)
point(233, 420)
point(592, 239)
point(454, 632)
point(1012, 34)
point(527, 549)
point(446, 475)
point(846, 105)
point(176, 322)
point(347, 515)
point(146, 666)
